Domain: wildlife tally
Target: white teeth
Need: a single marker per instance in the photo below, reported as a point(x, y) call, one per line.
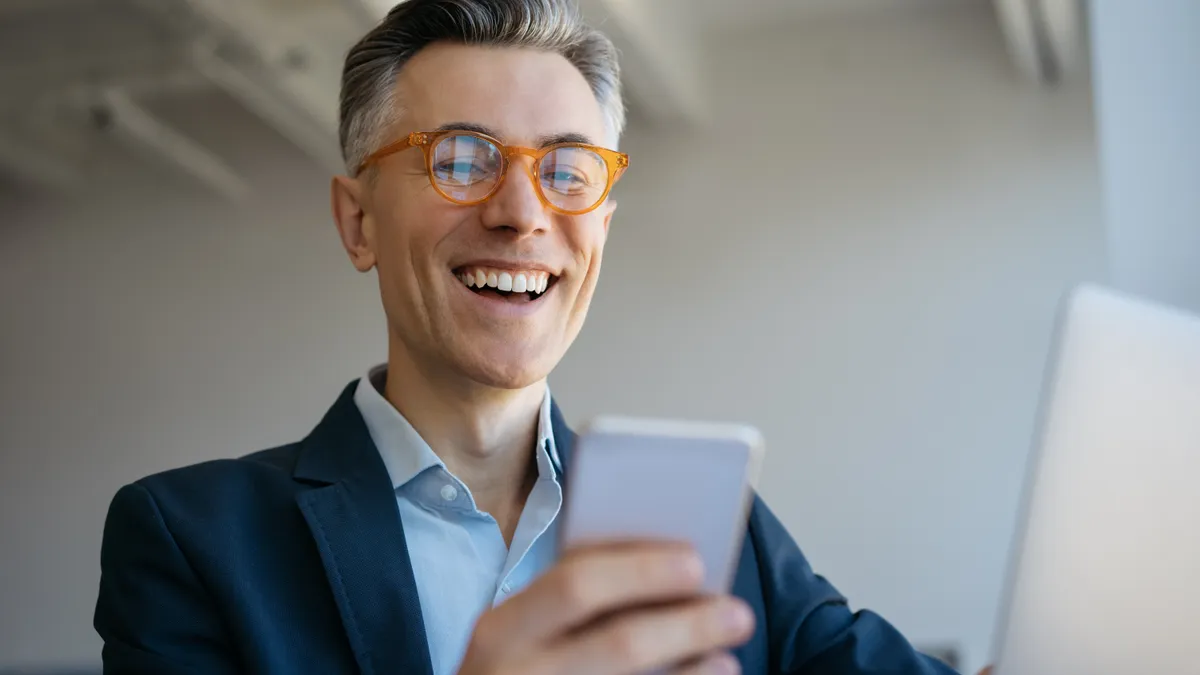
point(515, 282)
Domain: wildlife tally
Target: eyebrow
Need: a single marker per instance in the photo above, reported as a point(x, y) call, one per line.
point(542, 141)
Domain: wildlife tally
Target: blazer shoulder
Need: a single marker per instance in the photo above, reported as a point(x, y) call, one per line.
point(282, 457)
point(224, 480)
point(784, 569)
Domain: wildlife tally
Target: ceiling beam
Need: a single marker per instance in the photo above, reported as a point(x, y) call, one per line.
point(241, 53)
point(139, 127)
point(1018, 26)
point(263, 98)
point(660, 58)
point(1044, 37)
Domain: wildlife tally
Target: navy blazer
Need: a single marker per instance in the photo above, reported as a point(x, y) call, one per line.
point(293, 560)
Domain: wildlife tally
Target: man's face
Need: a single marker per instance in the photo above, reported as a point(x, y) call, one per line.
point(424, 245)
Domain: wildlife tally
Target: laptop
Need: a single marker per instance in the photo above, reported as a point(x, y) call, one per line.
point(1105, 575)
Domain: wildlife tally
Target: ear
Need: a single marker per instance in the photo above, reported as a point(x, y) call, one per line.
point(353, 224)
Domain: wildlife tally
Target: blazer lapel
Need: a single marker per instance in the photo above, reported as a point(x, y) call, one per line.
point(352, 513)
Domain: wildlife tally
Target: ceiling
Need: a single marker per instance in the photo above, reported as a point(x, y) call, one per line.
point(92, 83)
point(90, 80)
point(711, 14)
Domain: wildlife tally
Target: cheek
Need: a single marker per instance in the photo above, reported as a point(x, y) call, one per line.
point(591, 253)
point(593, 277)
point(394, 253)
point(409, 235)
point(595, 247)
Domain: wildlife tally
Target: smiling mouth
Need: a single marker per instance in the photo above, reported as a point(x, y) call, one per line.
point(515, 286)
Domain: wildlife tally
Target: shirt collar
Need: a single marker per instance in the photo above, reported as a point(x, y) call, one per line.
point(406, 454)
point(547, 451)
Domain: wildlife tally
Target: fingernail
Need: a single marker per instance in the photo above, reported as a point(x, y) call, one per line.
point(737, 617)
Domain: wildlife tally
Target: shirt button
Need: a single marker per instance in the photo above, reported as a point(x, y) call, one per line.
point(449, 493)
point(506, 588)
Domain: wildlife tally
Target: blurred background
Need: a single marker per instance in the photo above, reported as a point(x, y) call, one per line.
point(847, 221)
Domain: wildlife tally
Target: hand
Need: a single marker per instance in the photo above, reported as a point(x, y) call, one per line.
point(986, 671)
point(616, 609)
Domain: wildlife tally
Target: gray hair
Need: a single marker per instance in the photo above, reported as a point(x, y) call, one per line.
point(368, 98)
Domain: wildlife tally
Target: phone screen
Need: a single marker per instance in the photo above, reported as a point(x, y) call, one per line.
point(640, 479)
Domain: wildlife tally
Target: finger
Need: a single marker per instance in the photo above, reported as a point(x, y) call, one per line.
point(589, 583)
point(650, 639)
point(713, 664)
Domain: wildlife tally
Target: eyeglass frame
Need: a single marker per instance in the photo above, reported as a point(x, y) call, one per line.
point(616, 163)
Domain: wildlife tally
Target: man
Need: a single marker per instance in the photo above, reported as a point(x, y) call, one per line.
point(412, 533)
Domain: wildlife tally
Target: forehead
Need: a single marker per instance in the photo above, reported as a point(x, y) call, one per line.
point(523, 94)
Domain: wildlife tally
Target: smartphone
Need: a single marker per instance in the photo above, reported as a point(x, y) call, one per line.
point(693, 482)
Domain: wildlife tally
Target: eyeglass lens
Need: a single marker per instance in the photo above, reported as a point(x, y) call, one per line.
point(467, 169)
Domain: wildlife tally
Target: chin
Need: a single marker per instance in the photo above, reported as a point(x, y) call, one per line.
point(509, 369)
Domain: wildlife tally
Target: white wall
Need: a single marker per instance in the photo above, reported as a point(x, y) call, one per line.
point(862, 258)
point(1147, 72)
point(147, 331)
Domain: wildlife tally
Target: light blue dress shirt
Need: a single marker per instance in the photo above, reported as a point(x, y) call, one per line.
point(459, 559)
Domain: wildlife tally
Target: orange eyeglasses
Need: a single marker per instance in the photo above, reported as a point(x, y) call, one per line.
point(467, 168)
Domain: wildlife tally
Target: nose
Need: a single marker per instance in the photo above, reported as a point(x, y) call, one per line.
point(516, 206)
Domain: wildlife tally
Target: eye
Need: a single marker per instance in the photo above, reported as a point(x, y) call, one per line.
point(462, 160)
point(462, 170)
point(561, 175)
point(564, 179)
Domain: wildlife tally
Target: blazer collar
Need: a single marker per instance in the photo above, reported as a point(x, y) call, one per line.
point(355, 522)
point(353, 517)
point(340, 447)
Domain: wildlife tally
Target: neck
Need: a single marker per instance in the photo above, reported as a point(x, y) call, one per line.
point(485, 436)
